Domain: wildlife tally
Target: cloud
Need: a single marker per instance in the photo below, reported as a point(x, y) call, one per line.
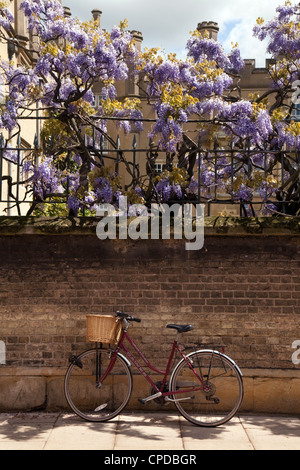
point(167, 24)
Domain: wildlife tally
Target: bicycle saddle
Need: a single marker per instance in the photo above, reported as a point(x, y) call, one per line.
point(181, 328)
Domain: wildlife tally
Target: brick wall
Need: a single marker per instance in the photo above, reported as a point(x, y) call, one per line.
point(241, 291)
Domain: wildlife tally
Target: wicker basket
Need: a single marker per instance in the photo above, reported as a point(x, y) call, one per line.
point(103, 329)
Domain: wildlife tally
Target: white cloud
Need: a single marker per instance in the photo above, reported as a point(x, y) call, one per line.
point(167, 23)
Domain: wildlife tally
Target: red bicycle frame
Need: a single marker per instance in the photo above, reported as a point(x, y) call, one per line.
point(165, 373)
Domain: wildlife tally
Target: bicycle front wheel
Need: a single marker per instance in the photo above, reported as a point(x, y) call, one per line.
point(209, 388)
point(91, 400)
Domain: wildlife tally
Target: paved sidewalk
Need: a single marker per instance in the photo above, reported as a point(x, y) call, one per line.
point(149, 431)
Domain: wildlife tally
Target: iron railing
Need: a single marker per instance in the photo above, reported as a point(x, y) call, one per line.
point(219, 175)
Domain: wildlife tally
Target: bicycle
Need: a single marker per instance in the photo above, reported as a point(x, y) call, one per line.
point(205, 385)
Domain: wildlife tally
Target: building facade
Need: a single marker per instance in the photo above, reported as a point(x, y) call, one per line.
point(17, 48)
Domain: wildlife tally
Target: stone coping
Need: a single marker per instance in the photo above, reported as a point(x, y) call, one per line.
point(213, 226)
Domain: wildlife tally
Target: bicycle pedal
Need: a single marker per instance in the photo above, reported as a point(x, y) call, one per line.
point(152, 397)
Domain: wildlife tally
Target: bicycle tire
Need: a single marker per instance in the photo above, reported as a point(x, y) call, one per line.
point(83, 394)
point(220, 399)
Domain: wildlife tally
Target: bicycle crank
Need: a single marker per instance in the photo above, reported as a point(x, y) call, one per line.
point(157, 397)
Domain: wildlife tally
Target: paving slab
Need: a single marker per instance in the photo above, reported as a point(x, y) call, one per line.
point(26, 431)
point(272, 432)
point(72, 433)
point(149, 431)
point(231, 436)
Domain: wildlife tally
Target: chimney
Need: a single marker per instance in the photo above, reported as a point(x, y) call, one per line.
point(67, 12)
point(97, 15)
point(211, 27)
point(138, 39)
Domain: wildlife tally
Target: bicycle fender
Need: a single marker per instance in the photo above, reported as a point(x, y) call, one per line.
point(125, 359)
point(222, 355)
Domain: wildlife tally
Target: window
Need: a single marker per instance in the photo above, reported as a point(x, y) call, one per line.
point(159, 167)
point(97, 101)
point(296, 112)
point(105, 145)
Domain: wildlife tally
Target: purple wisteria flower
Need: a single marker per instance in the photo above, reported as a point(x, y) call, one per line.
point(201, 49)
point(103, 190)
point(282, 32)
point(45, 178)
point(166, 190)
point(244, 193)
point(6, 19)
point(73, 205)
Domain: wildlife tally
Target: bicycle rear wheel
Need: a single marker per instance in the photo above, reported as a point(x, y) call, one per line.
point(89, 399)
point(218, 399)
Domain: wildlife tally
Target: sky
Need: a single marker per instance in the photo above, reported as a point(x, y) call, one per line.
point(167, 23)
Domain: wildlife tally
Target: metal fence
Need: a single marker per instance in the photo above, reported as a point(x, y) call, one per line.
point(256, 181)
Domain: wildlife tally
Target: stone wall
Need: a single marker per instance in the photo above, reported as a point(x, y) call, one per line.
point(241, 291)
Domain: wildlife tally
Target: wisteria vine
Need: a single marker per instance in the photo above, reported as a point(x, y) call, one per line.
point(72, 56)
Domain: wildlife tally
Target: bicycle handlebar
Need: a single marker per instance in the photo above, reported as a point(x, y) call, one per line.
point(127, 317)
